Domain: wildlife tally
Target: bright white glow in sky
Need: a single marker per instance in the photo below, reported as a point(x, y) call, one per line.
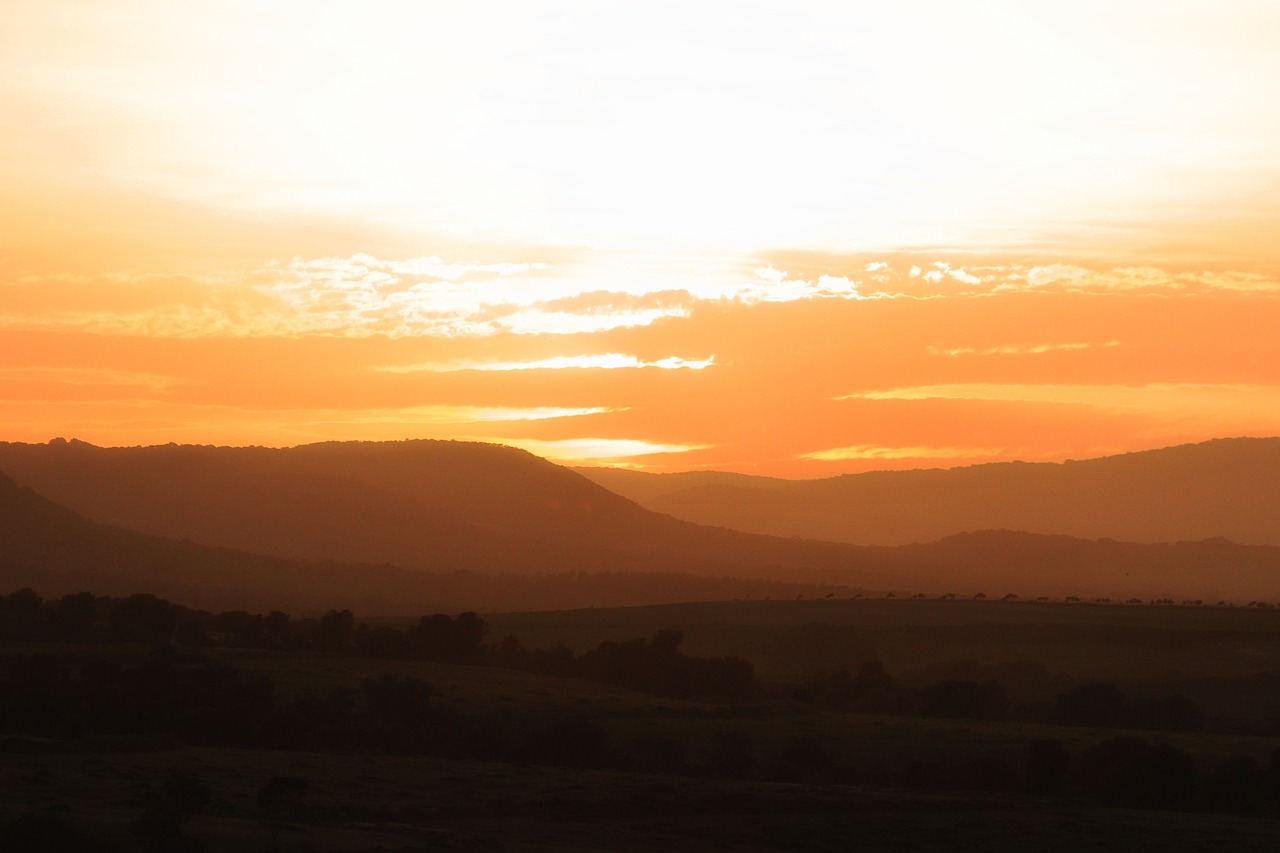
point(735, 125)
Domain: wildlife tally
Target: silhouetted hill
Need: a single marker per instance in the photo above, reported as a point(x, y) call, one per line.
point(645, 488)
point(998, 562)
point(56, 551)
point(1223, 488)
point(418, 504)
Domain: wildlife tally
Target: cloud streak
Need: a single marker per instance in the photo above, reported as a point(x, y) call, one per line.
point(605, 361)
point(596, 450)
point(1018, 349)
point(362, 295)
point(872, 452)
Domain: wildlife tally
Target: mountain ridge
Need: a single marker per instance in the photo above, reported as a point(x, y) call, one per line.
point(1228, 487)
point(416, 504)
point(43, 543)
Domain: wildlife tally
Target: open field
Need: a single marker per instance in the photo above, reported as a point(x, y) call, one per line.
point(1076, 639)
point(627, 770)
point(371, 802)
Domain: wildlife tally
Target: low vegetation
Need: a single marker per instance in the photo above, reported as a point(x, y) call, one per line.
point(87, 675)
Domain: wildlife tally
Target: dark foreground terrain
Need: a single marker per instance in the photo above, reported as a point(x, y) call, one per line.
point(137, 724)
point(357, 802)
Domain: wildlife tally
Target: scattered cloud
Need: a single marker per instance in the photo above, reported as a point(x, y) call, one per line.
point(429, 296)
point(1018, 349)
point(1044, 392)
point(966, 277)
point(534, 321)
point(773, 285)
point(595, 449)
point(1152, 279)
point(605, 361)
point(465, 414)
point(869, 451)
point(1241, 406)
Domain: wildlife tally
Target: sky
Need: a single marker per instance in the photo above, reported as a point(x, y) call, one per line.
point(797, 239)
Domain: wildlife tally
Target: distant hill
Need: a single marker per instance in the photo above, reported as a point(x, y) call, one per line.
point(400, 527)
point(1223, 488)
point(435, 505)
point(998, 562)
point(56, 551)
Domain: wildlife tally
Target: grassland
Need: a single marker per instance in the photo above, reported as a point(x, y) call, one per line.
point(867, 781)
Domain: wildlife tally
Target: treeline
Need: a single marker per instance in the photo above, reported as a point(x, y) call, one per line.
point(174, 698)
point(653, 666)
point(187, 696)
point(1093, 705)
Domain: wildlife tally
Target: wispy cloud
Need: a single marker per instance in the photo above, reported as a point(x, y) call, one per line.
point(871, 452)
point(362, 295)
point(1238, 406)
point(595, 449)
point(1018, 349)
point(1080, 279)
point(465, 414)
point(605, 361)
point(1048, 392)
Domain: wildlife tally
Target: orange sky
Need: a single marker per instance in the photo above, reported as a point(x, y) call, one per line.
point(785, 239)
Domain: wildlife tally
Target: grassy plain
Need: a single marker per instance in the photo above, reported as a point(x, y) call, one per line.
point(1224, 658)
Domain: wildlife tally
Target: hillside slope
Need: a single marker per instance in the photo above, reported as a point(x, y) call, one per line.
point(1223, 488)
point(56, 551)
point(437, 505)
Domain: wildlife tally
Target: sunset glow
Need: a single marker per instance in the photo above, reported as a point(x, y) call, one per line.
point(794, 239)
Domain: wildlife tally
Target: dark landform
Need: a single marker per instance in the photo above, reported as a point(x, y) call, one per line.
point(182, 668)
point(432, 523)
point(1228, 488)
point(437, 505)
point(50, 547)
point(136, 723)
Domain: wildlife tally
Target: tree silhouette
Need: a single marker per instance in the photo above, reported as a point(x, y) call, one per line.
point(1096, 705)
point(335, 631)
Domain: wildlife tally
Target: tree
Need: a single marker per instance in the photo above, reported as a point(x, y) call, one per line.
point(143, 618)
point(968, 700)
point(1047, 763)
point(667, 641)
point(1131, 773)
point(74, 616)
point(732, 753)
point(20, 614)
point(335, 631)
point(1097, 705)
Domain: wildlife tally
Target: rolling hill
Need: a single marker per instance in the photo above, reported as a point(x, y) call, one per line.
point(56, 552)
point(398, 525)
point(438, 505)
point(1223, 488)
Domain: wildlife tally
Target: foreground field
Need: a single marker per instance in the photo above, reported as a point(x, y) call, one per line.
point(226, 747)
point(367, 803)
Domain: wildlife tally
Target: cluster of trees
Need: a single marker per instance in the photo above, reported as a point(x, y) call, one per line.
point(871, 691)
point(1121, 772)
point(182, 698)
point(654, 666)
point(1103, 705)
point(1093, 705)
point(189, 698)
